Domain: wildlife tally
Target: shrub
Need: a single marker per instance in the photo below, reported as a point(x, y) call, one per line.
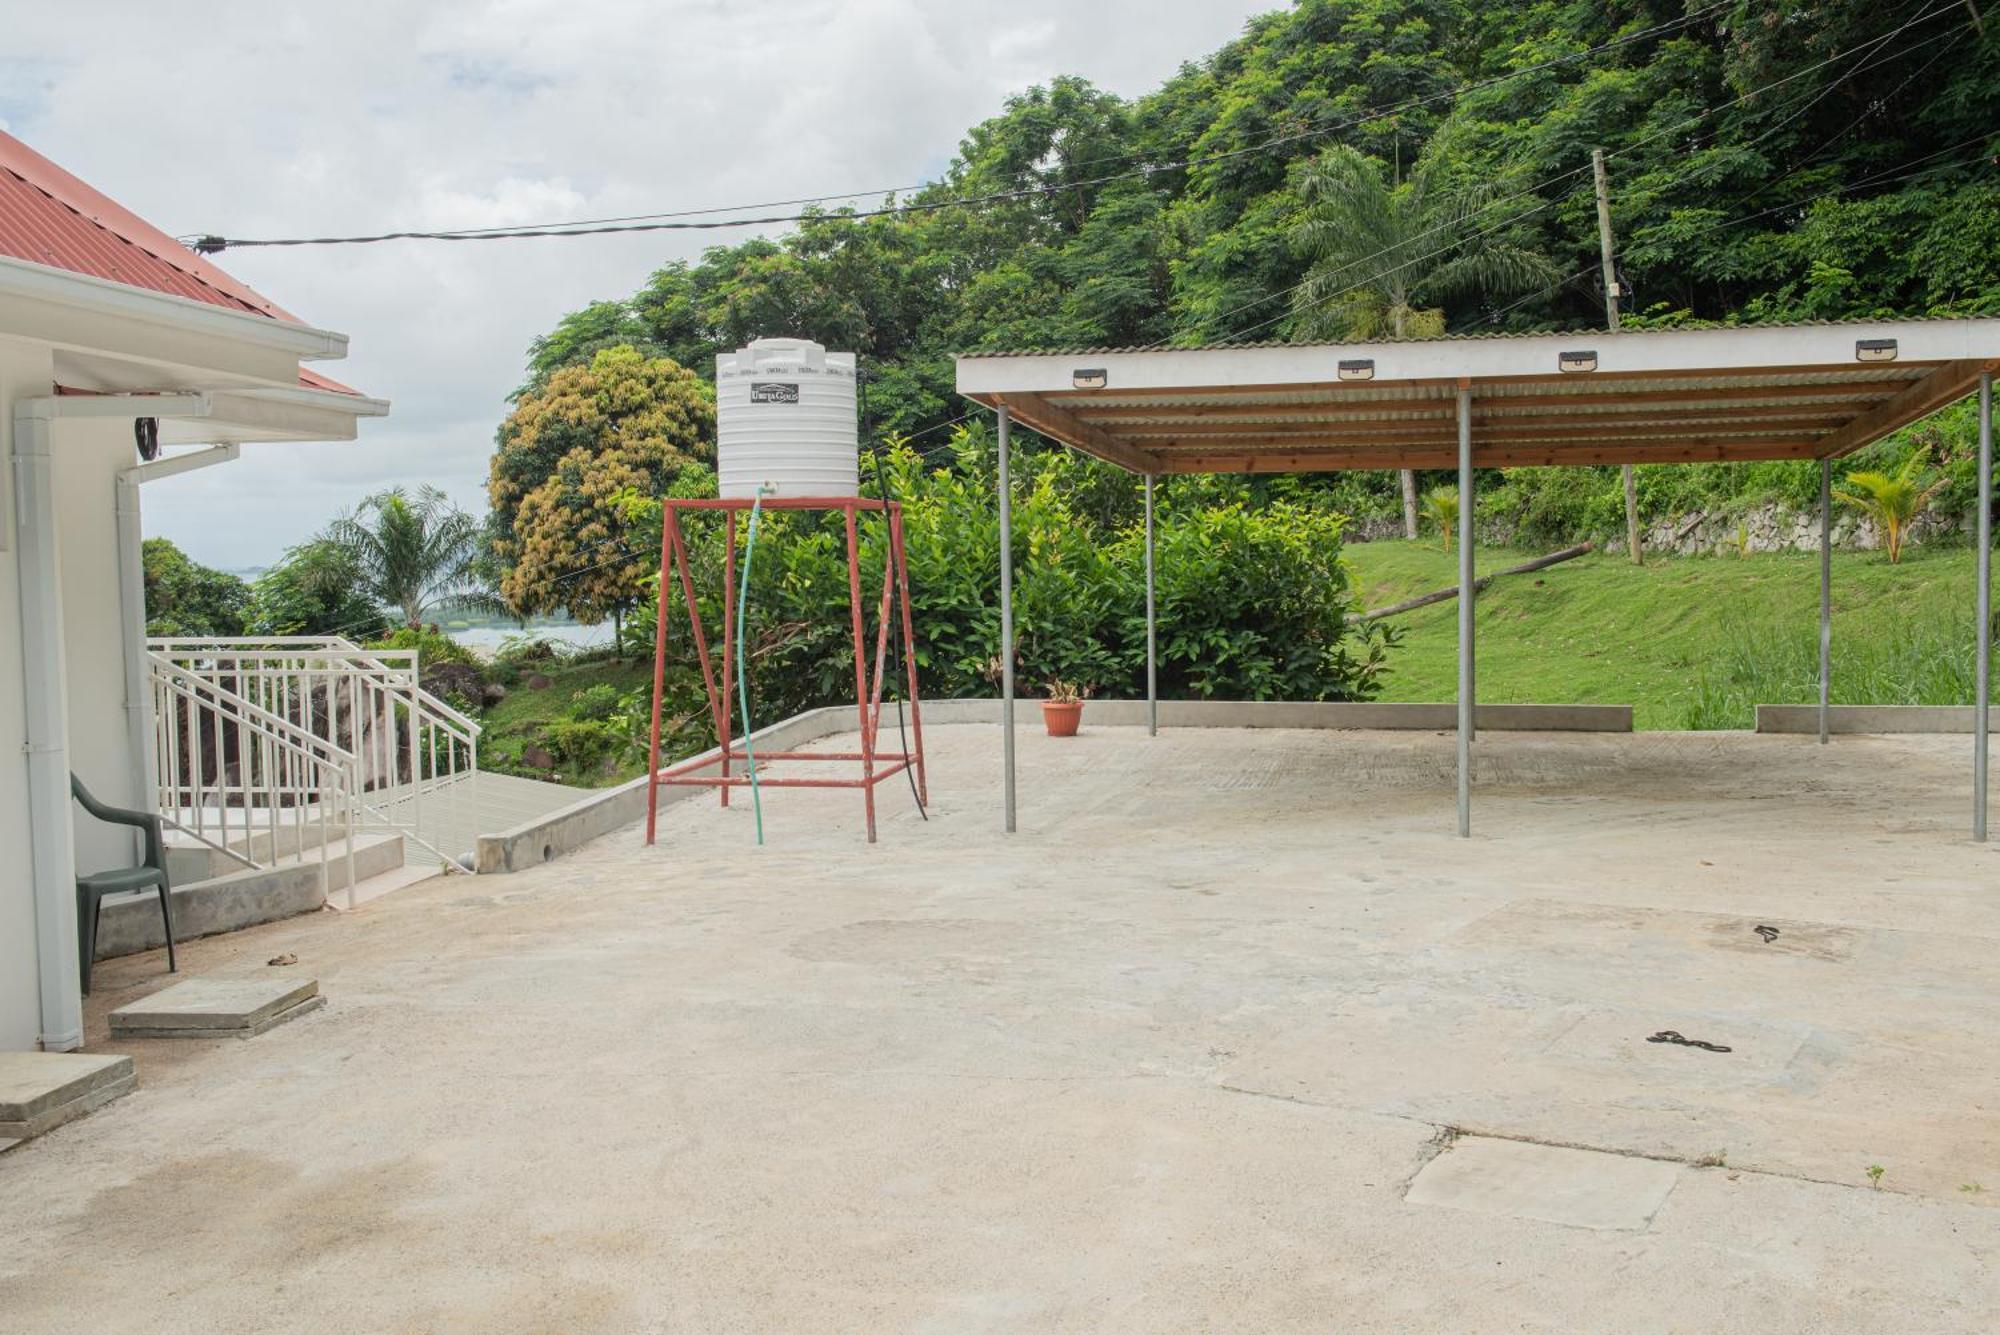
point(433, 647)
point(596, 704)
point(581, 744)
point(1441, 508)
point(1892, 500)
point(448, 669)
point(1254, 602)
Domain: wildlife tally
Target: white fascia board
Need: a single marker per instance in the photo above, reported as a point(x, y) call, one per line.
point(357, 405)
point(247, 418)
point(1665, 351)
point(39, 282)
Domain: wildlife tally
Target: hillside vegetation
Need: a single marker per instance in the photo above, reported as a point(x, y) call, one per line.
point(1769, 160)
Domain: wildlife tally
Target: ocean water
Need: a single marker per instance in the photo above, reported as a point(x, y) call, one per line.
point(488, 639)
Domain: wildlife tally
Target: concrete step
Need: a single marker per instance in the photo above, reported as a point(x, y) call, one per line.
point(39, 1091)
point(188, 859)
point(397, 878)
point(243, 1006)
point(244, 897)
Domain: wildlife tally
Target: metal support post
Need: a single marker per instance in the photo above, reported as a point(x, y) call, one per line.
point(1465, 600)
point(1825, 592)
point(1983, 678)
point(1152, 627)
point(1006, 621)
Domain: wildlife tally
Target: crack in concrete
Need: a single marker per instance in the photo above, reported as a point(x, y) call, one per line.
point(1448, 1132)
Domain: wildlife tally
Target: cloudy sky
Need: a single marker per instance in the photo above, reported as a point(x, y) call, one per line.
point(255, 119)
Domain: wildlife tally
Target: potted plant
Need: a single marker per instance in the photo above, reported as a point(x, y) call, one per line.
point(1062, 707)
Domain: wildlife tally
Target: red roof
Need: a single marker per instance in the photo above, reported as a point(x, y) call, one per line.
point(49, 217)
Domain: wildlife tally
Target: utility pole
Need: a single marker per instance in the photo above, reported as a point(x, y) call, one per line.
point(1611, 322)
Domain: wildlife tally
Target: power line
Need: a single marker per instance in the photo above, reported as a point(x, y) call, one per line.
point(1889, 176)
point(209, 244)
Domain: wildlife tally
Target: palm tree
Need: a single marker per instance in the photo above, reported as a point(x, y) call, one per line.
point(1441, 505)
point(1381, 254)
point(416, 554)
point(1892, 500)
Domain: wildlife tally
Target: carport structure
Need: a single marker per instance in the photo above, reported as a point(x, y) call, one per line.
point(1805, 391)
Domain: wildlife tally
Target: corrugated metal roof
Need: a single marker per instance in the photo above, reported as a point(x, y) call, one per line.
point(314, 380)
point(49, 217)
point(1805, 390)
point(1485, 335)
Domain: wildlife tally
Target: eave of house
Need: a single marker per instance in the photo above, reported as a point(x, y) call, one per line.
point(114, 338)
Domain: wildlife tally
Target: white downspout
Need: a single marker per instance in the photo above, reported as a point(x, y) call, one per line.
point(53, 855)
point(132, 604)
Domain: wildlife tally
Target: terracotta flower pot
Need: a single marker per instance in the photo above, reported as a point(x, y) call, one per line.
point(1061, 717)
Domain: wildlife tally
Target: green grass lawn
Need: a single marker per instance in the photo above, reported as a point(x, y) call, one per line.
point(1685, 641)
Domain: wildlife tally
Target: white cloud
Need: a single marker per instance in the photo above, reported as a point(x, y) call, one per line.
point(253, 119)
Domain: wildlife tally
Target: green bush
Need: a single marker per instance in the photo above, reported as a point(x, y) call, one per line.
point(1254, 601)
point(433, 648)
point(582, 744)
point(596, 704)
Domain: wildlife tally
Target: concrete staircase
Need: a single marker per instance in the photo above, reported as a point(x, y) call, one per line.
point(214, 892)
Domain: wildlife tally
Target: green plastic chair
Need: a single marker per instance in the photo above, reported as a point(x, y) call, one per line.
point(92, 888)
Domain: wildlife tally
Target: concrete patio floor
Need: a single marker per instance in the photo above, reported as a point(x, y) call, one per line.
point(1170, 1059)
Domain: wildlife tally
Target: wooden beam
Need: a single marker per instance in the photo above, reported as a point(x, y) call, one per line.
point(1857, 391)
point(1326, 461)
point(1167, 448)
point(1232, 410)
point(1670, 380)
point(1842, 397)
point(1948, 384)
point(1063, 425)
point(1583, 425)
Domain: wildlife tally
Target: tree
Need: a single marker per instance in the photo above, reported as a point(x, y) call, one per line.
point(1862, 185)
point(571, 457)
point(1382, 253)
point(1892, 500)
point(580, 336)
point(315, 589)
point(414, 554)
point(184, 597)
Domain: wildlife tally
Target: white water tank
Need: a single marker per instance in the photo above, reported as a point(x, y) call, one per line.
point(786, 421)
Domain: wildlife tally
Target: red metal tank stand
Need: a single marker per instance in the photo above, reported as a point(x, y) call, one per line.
point(876, 764)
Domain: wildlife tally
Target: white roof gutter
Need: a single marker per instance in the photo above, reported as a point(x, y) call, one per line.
point(52, 854)
point(39, 282)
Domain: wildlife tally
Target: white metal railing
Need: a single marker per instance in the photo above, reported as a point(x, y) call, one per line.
point(413, 760)
point(244, 780)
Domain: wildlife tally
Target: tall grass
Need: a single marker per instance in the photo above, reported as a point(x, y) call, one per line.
point(1923, 658)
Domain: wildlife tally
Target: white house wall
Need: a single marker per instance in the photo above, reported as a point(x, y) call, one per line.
point(25, 372)
point(88, 455)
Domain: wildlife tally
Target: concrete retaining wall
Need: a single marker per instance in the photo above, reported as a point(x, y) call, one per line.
point(563, 831)
point(571, 827)
point(1851, 719)
point(1331, 715)
point(223, 904)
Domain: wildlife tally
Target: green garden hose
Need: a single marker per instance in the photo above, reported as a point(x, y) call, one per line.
point(742, 665)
